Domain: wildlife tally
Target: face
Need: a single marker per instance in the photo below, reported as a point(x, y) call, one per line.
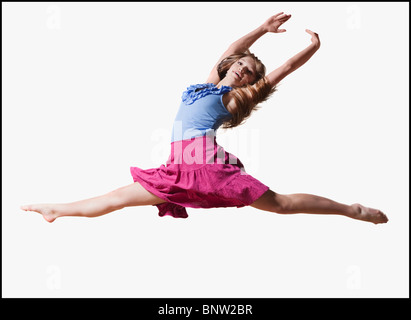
point(242, 72)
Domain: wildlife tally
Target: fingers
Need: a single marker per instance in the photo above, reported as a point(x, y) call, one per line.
point(311, 32)
point(278, 14)
point(282, 16)
point(314, 37)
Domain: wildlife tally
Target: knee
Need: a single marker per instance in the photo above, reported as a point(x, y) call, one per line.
point(115, 199)
point(273, 202)
point(282, 204)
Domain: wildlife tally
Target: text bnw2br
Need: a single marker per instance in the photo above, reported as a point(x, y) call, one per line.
point(207, 309)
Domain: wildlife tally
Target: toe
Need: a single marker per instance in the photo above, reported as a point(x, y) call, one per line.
point(382, 218)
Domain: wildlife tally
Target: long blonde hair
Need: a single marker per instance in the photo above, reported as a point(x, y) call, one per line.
point(247, 97)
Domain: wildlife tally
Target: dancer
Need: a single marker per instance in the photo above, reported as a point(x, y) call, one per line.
point(199, 173)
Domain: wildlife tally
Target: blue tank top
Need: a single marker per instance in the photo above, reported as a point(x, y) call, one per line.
point(201, 111)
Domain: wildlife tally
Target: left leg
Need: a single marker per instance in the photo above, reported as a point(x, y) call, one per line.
point(130, 195)
point(308, 203)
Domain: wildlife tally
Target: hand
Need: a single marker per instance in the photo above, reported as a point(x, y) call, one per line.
point(315, 39)
point(273, 23)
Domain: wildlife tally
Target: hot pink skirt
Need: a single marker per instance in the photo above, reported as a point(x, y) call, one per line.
point(199, 173)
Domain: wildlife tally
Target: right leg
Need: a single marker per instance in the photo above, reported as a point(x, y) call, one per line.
point(130, 195)
point(308, 203)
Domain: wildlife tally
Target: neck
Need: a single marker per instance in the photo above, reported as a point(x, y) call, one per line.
point(224, 82)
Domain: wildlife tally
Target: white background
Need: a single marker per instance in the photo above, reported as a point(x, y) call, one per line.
point(90, 89)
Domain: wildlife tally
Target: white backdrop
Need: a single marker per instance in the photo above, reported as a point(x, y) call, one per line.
point(90, 89)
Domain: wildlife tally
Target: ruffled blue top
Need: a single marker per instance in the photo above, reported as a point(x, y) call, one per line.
point(198, 91)
point(201, 111)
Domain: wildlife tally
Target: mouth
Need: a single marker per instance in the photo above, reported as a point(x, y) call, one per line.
point(237, 75)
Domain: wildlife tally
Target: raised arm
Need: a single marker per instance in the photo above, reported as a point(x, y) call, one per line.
point(296, 61)
point(244, 43)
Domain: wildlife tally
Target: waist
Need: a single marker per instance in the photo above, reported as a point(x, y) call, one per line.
point(191, 133)
point(188, 129)
point(199, 151)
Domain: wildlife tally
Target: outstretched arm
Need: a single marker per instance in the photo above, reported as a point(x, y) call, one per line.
point(244, 43)
point(270, 25)
point(296, 61)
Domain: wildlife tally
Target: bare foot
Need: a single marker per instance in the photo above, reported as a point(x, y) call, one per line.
point(44, 209)
point(368, 214)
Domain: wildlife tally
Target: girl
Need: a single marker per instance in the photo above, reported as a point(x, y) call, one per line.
point(200, 173)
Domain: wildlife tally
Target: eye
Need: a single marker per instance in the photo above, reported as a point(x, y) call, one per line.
point(240, 63)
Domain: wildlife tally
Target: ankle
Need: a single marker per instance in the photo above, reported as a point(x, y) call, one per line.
point(354, 211)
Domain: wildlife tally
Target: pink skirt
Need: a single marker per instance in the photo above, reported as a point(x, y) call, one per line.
point(199, 173)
